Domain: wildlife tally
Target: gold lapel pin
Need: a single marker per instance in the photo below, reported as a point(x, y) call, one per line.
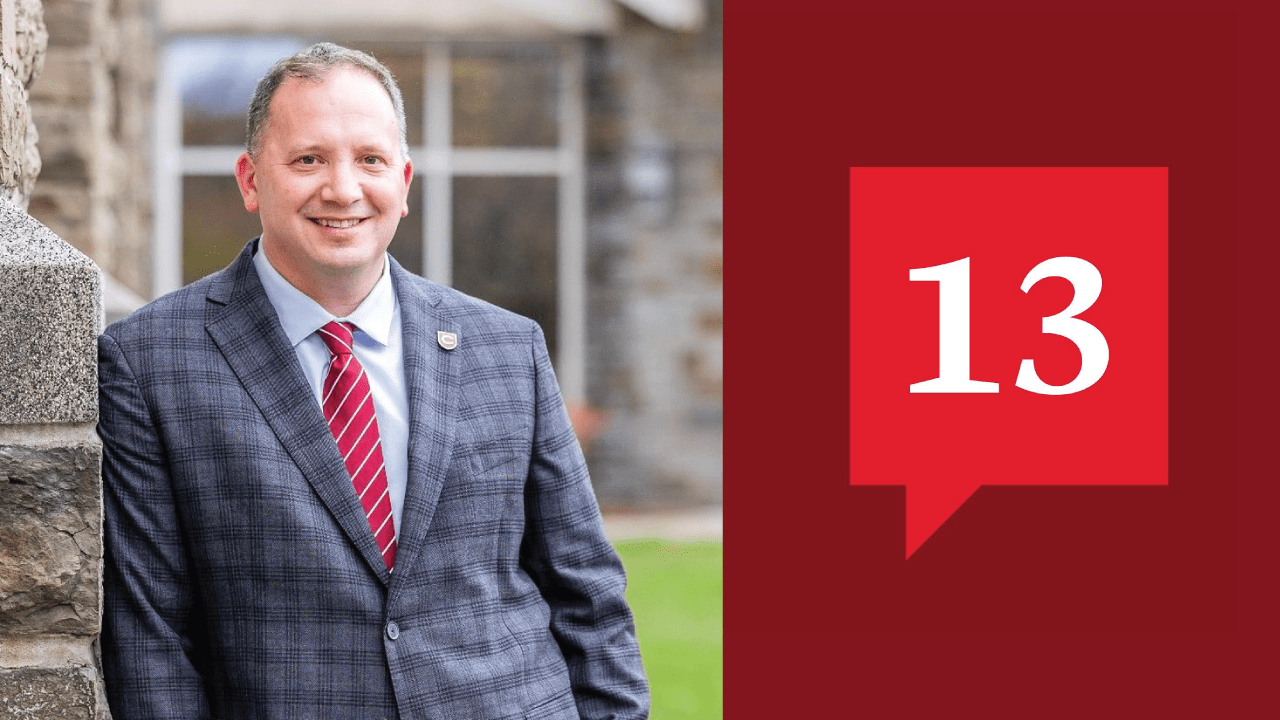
point(447, 340)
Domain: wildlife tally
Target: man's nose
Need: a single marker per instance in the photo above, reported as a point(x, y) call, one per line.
point(342, 185)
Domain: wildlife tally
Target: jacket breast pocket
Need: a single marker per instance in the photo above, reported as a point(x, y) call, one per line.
point(483, 493)
point(491, 455)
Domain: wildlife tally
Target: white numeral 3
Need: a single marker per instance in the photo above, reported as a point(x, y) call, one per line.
point(1094, 353)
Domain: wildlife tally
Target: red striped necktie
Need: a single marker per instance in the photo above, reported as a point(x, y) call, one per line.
point(348, 406)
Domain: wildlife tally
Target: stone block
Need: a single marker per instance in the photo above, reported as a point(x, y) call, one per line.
point(62, 208)
point(70, 23)
point(49, 694)
point(52, 308)
point(68, 78)
point(67, 144)
point(13, 130)
point(22, 39)
point(30, 38)
point(51, 549)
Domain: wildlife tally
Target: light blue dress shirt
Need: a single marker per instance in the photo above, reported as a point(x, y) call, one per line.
point(378, 347)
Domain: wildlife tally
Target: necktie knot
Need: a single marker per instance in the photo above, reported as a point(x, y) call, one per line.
point(338, 336)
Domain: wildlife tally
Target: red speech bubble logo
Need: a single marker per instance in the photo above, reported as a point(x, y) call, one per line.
point(1008, 326)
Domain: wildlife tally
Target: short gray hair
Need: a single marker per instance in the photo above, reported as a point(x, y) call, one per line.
point(314, 64)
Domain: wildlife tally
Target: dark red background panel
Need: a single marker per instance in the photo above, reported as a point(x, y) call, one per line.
point(1030, 601)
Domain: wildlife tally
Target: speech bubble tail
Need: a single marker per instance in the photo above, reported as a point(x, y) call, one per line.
point(929, 507)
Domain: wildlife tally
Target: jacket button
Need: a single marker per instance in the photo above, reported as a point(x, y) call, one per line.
point(393, 630)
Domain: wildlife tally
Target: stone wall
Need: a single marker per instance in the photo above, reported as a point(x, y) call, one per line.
point(50, 457)
point(23, 38)
point(655, 163)
point(50, 475)
point(92, 106)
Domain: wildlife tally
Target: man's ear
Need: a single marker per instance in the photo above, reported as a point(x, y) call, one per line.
point(408, 180)
point(246, 178)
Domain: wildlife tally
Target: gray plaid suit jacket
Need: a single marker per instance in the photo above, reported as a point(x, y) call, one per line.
point(241, 577)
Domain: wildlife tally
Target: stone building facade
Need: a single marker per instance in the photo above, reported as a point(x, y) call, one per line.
point(50, 457)
point(92, 107)
point(655, 262)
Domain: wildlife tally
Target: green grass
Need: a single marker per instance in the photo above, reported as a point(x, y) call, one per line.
point(675, 591)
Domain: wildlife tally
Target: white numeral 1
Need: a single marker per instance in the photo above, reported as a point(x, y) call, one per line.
point(953, 331)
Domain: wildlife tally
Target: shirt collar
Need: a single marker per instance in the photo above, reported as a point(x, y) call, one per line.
point(300, 316)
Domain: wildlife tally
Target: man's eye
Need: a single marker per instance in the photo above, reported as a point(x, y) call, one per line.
point(308, 160)
point(372, 160)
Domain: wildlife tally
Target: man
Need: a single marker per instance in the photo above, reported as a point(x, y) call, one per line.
point(334, 489)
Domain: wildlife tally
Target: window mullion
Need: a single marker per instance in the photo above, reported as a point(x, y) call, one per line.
point(438, 178)
point(166, 234)
point(571, 199)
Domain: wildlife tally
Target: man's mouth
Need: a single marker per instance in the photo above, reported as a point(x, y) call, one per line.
point(339, 224)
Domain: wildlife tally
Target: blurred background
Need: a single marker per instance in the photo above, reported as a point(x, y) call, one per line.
point(568, 159)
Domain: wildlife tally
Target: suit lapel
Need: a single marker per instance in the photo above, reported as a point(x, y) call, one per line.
point(431, 373)
point(248, 333)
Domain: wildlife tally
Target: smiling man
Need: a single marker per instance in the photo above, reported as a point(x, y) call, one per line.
point(334, 489)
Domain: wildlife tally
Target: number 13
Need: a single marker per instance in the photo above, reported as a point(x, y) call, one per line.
point(953, 328)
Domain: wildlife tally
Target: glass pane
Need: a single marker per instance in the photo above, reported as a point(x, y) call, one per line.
point(215, 77)
point(506, 97)
point(406, 246)
point(504, 244)
point(215, 225)
point(406, 64)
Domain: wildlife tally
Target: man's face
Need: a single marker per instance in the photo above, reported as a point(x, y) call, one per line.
point(329, 182)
